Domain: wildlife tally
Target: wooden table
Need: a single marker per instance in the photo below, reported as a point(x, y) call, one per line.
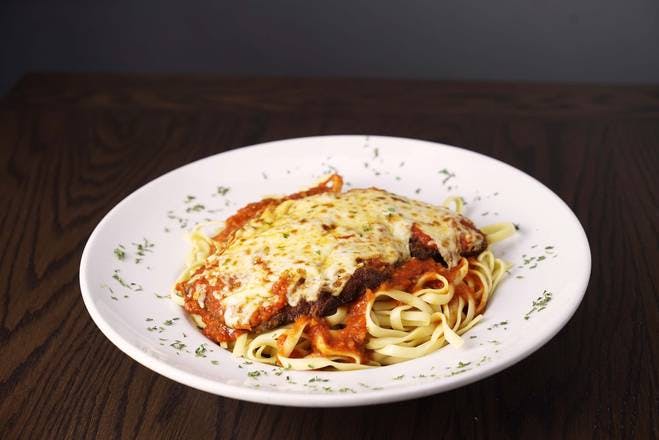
point(72, 146)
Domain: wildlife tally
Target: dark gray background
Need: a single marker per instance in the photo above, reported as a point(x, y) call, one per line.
point(584, 40)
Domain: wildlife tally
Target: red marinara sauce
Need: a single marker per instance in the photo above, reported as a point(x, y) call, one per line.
point(407, 274)
point(352, 338)
point(212, 313)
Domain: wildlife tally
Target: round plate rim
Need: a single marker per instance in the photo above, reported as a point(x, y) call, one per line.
point(368, 397)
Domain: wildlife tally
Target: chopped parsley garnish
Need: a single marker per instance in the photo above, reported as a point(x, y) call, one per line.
point(120, 280)
point(178, 345)
point(198, 207)
point(539, 304)
point(498, 324)
point(223, 190)
point(317, 379)
point(254, 374)
point(483, 360)
point(449, 175)
point(105, 286)
point(463, 364)
point(120, 252)
point(201, 351)
point(399, 377)
point(142, 248)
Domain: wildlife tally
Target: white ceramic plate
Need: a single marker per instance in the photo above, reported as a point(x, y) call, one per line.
point(128, 299)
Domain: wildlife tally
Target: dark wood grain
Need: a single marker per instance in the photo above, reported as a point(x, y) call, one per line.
point(71, 146)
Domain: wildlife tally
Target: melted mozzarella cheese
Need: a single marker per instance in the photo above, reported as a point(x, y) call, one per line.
point(318, 242)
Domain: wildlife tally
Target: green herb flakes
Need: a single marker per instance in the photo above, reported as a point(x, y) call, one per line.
point(120, 252)
point(539, 304)
point(201, 351)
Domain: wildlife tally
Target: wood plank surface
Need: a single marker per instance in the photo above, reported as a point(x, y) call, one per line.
point(73, 145)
